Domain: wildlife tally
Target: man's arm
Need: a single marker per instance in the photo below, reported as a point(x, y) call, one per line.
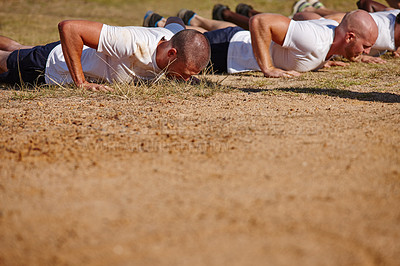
point(394, 3)
point(397, 53)
point(73, 35)
point(265, 28)
point(372, 6)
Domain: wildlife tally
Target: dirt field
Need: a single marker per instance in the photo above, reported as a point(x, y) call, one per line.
point(258, 172)
point(241, 170)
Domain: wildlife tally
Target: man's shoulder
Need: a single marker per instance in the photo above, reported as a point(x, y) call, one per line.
point(322, 22)
point(318, 28)
point(308, 36)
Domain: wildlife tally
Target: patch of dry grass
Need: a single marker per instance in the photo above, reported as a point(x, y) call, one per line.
point(139, 90)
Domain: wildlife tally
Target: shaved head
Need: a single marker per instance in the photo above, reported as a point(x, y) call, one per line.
point(361, 23)
point(193, 48)
point(355, 35)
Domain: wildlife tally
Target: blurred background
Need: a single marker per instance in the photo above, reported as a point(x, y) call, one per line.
point(35, 21)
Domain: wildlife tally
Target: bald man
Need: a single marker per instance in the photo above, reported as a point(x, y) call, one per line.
point(309, 43)
point(387, 20)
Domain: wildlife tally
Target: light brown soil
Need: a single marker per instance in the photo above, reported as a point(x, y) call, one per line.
point(248, 177)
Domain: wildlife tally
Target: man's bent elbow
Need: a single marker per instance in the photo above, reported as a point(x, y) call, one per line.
point(254, 22)
point(260, 22)
point(64, 26)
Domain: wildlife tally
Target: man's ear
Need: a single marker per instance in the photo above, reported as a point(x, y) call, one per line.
point(172, 52)
point(350, 36)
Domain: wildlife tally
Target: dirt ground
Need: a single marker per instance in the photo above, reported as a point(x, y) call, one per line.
point(252, 176)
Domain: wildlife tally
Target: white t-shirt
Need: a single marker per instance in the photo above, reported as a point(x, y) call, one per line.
point(305, 47)
point(386, 22)
point(123, 54)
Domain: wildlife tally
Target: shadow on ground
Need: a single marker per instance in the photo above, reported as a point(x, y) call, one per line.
point(384, 97)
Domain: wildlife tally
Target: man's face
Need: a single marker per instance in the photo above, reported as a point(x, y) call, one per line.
point(180, 70)
point(356, 46)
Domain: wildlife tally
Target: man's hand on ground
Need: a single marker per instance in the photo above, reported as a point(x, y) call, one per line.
point(335, 63)
point(279, 73)
point(95, 87)
point(372, 59)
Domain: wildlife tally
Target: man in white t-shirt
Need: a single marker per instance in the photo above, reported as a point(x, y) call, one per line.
point(353, 36)
point(389, 31)
point(91, 52)
point(387, 20)
point(304, 48)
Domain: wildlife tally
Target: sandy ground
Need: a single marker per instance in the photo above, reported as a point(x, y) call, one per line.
point(248, 177)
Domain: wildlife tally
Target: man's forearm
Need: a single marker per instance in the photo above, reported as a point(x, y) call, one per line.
point(73, 35)
point(265, 28)
point(261, 41)
point(72, 46)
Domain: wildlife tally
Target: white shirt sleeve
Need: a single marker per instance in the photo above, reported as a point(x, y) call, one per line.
point(300, 37)
point(305, 36)
point(119, 42)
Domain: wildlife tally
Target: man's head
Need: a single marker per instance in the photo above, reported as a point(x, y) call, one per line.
point(186, 54)
point(359, 32)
